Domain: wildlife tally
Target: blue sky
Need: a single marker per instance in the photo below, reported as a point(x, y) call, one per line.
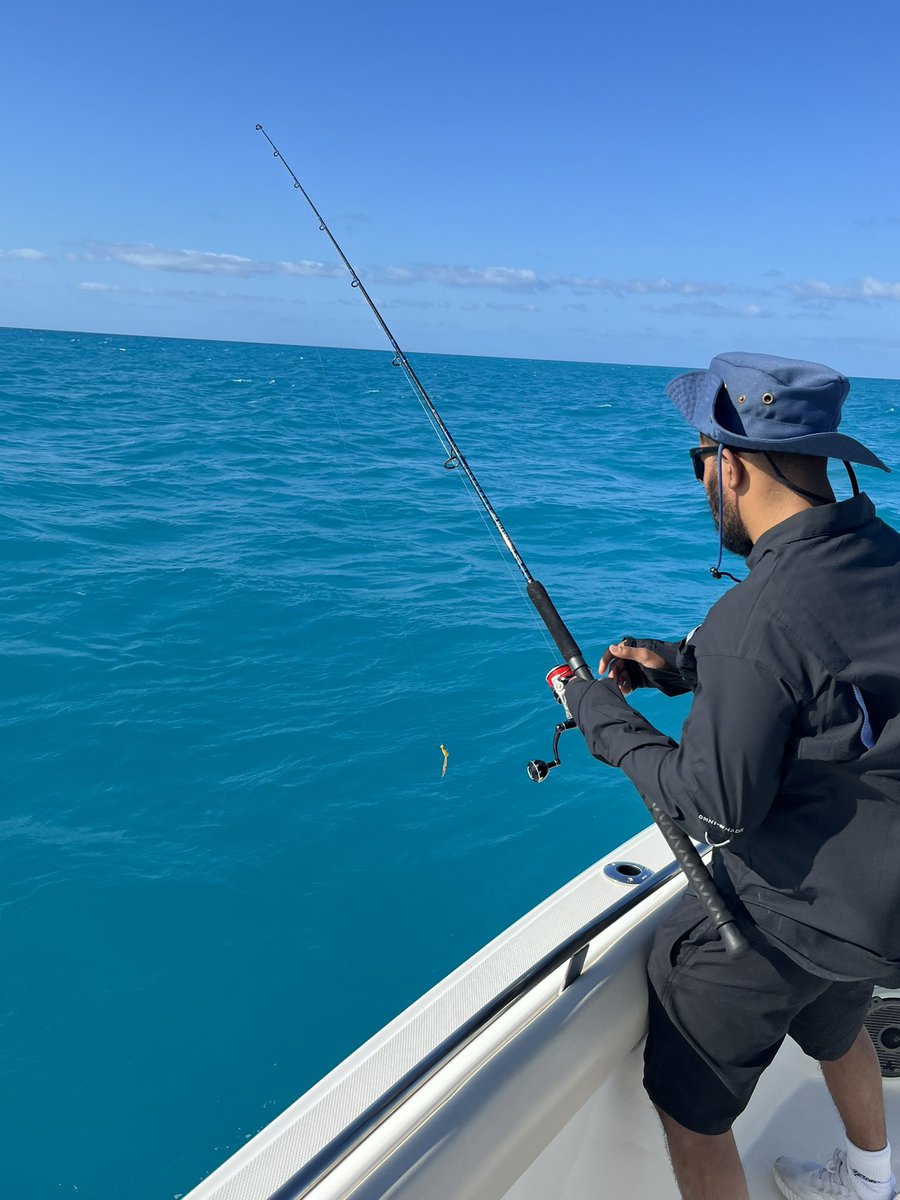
point(650, 184)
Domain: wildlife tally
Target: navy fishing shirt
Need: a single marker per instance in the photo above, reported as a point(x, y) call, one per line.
point(789, 760)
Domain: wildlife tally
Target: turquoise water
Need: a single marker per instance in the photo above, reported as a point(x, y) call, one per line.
point(242, 607)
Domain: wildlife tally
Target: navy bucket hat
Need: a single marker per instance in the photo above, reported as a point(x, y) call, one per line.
point(761, 402)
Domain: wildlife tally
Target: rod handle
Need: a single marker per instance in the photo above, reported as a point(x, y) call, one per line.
point(557, 629)
point(733, 940)
point(698, 876)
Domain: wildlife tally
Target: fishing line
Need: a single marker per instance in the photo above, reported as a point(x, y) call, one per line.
point(479, 508)
point(535, 590)
point(424, 691)
point(680, 844)
point(467, 490)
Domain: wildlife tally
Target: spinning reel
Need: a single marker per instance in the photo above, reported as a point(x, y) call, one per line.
point(538, 769)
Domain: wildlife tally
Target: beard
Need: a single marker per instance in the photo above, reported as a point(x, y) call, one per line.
point(734, 532)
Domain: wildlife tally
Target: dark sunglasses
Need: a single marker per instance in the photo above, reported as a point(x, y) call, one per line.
point(698, 453)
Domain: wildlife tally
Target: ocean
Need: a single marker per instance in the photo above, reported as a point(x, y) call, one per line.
point(243, 607)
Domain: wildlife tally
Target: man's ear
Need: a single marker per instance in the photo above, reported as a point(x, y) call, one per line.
point(734, 473)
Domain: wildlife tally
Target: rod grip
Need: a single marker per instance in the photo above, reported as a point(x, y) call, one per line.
point(557, 629)
point(701, 881)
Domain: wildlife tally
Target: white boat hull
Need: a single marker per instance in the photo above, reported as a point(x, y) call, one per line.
point(544, 1101)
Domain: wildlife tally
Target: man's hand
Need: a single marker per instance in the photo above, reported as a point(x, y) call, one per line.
point(618, 660)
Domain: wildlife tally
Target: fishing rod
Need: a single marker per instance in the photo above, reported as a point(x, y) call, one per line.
point(537, 593)
point(680, 844)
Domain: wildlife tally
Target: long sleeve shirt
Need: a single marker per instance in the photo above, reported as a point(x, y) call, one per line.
point(789, 760)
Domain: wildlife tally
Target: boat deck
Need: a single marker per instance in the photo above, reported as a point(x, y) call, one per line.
point(791, 1113)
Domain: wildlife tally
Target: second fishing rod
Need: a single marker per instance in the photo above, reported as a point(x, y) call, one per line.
point(680, 844)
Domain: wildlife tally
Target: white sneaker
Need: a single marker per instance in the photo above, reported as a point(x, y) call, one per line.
point(800, 1180)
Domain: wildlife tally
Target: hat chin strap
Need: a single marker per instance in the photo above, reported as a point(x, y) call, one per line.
point(796, 488)
point(714, 571)
point(852, 474)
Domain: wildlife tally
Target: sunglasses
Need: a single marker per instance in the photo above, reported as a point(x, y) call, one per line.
point(698, 453)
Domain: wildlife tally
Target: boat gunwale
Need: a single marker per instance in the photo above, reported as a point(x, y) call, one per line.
point(573, 948)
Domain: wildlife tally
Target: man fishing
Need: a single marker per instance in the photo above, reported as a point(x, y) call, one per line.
point(789, 765)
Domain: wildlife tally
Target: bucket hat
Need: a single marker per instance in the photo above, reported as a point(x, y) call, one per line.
point(762, 402)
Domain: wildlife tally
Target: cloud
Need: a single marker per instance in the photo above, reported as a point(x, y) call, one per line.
point(508, 278)
point(660, 286)
point(200, 262)
point(309, 269)
point(879, 289)
point(409, 302)
point(818, 289)
point(702, 297)
point(708, 308)
point(91, 286)
point(147, 256)
point(522, 279)
point(867, 290)
point(26, 253)
point(193, 295)
point(150, 257)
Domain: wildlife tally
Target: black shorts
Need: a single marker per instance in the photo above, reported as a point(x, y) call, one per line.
point(717, 1022)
